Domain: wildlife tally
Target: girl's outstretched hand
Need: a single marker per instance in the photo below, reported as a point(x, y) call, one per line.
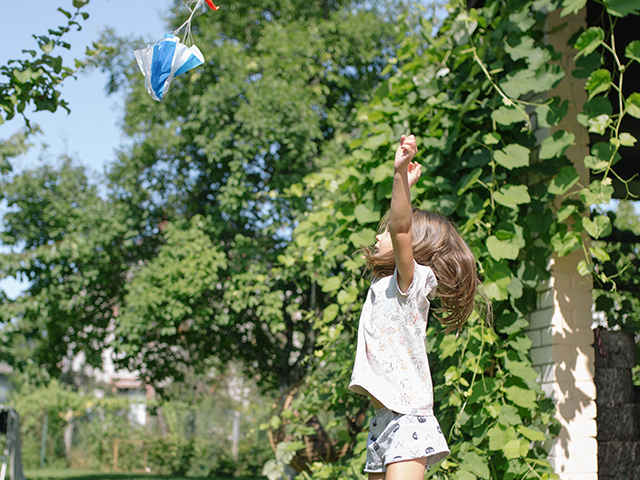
point(405, 151)
point(414, 170)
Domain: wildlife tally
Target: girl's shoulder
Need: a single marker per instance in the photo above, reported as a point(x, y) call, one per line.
point(426, 278)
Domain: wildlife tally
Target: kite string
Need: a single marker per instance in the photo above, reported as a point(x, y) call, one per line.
point(187, 23)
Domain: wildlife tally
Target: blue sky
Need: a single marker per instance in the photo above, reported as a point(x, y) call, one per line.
point(91, 132)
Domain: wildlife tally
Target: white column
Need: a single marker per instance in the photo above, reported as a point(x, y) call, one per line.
point(560, 330)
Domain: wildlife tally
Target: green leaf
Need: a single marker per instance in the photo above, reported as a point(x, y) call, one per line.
point(598, 82)
point(512, 195)
point(633, 50)
point(26, 75)
point(513, 449)
point(564, 243)
point(499, 249)
point(589, 40)
point(64, 12)
point(376, 141)
point(296, 190)
point(475, 464)
point(381, 173)
point(365, 215)
point(468, 180)
point(595, 163)
point(331, 284)
point(531, 80)
point(566, 211)
point(564, 180)
point(509, 415)
point(347, 297)
point(491, 138)
point(497, 280)
point(587, 64)
point(605, 151)
point(512, 156)
point(599, 124)
point(556, 144)
point(463, 475)
point(449, 346)
point(508, 115)
point(522, 50)
point(572, 6)
point(597, 193)
point(584, 268)
point(627, 140)
point(632, 105)
point(622, 8)
point(599, 253)
point(363, 237)
point(522, 397)
point(330, 313)
point(524, 371)
point(531, 434)
point(506, 243)
point(598, 106)
point(499, 436)
point(600, 226)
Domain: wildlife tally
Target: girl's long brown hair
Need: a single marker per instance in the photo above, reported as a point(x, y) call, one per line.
point(437, 244)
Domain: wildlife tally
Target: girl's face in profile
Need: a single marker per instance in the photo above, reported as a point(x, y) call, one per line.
point(383, 243)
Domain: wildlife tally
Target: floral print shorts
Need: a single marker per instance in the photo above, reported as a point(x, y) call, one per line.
point(395, 437)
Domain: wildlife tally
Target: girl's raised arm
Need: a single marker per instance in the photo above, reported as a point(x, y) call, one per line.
point(401, 214)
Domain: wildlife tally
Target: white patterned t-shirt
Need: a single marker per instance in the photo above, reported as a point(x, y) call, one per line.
point(391, 358)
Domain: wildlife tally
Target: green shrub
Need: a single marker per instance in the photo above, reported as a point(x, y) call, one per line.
point(171, 454)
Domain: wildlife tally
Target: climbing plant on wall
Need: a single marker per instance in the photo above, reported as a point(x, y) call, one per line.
point(477, 96)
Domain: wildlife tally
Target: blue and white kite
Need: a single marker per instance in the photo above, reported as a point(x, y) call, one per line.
point(161, 62)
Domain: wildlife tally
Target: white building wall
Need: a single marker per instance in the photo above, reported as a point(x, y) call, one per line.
point(563, 355)
point(560, 330)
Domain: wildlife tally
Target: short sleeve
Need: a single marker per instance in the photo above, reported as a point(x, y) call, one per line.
point(424, 281)
point(430, 281)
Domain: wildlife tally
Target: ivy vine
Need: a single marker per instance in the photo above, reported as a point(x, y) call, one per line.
point(477, 95)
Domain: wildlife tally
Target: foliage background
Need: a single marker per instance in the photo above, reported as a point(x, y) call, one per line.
point(231, 224)
point(186, 433)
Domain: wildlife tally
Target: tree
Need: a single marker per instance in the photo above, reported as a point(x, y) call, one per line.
point(216, 160)
point(36, 80)
point(74, 249)
point(204, 197)
point(616, 258)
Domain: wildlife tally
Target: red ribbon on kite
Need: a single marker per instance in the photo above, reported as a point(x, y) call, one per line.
point(212, 6)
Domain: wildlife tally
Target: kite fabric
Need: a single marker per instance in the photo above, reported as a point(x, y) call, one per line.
point(161, 62)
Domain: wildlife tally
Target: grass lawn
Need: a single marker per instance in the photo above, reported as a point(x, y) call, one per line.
point(92, 475)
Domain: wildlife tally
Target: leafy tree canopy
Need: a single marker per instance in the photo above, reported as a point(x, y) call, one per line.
point(36, 80)
point(207, 182)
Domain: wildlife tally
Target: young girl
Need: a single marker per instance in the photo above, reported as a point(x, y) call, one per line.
point(417, 256)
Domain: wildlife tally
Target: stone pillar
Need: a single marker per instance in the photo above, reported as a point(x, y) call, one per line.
point(618, 406)
point(561, 330)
